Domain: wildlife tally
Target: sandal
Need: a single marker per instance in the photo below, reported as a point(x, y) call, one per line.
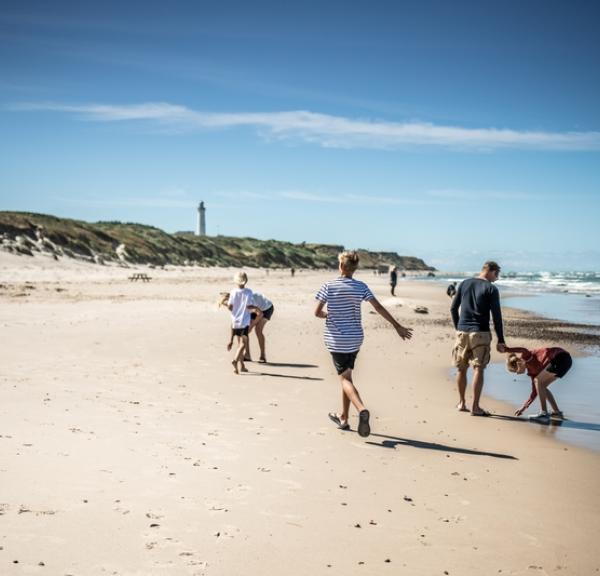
point(342, 425)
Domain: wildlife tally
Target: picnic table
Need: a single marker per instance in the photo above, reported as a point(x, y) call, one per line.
point(140, 276)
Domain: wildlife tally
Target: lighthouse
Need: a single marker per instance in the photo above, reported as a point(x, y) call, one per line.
point(201, 224)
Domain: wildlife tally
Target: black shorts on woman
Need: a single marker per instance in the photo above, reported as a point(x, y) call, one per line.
point(266, 313)
point(560, 364)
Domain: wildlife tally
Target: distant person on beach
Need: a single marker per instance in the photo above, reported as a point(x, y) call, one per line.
point(240, 304)
point(344, 333)
point(543, 366)
point(261, 314)
point(293, 272)
point(393, 279)
point(474, 301)
point(451, 290)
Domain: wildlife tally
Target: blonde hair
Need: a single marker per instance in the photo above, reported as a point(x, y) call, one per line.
point(240, 279)
point(223, 299)
point(512, 362)
point(348, 261)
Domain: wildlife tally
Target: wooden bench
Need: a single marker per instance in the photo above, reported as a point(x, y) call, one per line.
point(140, 276)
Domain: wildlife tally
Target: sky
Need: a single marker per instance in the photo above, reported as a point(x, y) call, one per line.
point(451, 131)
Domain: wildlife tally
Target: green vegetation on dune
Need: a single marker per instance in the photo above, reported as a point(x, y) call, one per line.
point(27, 233)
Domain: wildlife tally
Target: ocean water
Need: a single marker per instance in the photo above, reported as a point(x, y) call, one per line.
point(577, 396)
point(532, 282)
point(566, 296)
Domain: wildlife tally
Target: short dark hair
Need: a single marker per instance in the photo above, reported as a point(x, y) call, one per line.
point(491, 265)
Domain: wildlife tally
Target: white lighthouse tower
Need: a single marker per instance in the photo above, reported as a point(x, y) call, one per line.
point(201, 224)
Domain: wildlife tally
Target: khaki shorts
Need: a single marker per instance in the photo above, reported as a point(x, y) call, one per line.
point(473, 348)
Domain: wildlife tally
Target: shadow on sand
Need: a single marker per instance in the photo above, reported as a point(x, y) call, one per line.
point(572, 424)
point(393, 441)
point(286, 365)
point(251, 373)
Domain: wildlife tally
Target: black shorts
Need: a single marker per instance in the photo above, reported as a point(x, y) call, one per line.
point(266, 313)
point(344, 361)
point(240, 331)
point(560, 364)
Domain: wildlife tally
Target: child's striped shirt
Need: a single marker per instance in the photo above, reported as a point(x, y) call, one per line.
point(343, 326)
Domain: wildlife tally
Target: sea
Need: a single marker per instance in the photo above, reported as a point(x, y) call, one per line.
point(565, 296)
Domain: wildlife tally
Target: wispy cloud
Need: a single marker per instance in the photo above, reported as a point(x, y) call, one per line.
point(330, 131)
point(453, 194)
point(352, 199)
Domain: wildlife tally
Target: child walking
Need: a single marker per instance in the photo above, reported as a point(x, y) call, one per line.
point(240, 305)
point(344, 333)
point(543, 366)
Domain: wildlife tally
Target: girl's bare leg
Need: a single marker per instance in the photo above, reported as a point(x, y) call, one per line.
point(261, 337)
point(543, 380)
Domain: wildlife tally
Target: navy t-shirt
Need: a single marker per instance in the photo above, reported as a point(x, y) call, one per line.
point(476, 298)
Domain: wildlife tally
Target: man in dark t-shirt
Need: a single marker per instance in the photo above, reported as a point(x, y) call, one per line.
point(475, 299)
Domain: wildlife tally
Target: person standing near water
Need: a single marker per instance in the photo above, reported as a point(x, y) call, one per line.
point(393, 279)
point(475, 299)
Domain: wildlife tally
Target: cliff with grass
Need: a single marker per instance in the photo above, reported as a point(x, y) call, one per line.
point(29, 234)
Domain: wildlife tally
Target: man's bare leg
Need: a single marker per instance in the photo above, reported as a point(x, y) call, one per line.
point(461, 384)
point(477, 389)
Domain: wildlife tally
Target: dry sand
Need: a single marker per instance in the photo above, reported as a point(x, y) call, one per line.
point(128, 446)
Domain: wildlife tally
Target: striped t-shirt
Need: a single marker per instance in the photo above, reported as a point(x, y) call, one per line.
point(343, 326)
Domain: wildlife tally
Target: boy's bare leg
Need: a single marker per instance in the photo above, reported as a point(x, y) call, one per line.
point(245, 352)
point(351, 394)
point(239, 356)
point(234, 362)
point(477, 388)
point(461, 384)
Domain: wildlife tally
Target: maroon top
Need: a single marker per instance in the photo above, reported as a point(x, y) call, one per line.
point(536, 361)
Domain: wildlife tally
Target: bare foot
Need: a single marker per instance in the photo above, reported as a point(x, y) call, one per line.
point(243, 368)
point(235, 368)
point(462, 407)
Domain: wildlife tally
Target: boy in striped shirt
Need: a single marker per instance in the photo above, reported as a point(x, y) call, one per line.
point(344, 333)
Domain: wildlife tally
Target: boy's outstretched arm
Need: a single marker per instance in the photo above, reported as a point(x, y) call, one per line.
point(403, 332)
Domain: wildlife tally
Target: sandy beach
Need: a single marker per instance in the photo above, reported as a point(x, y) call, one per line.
point(129, 447)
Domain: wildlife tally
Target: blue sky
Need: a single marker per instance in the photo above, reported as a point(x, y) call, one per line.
point(453, 131)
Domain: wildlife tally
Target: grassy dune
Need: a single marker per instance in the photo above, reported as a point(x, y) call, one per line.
point(27, 233)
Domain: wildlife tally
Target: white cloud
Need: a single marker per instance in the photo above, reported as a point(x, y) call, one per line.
point(331, 131)
point(452, 194)
point(351, 199)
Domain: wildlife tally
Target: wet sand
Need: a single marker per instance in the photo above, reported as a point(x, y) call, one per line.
point(128, 446)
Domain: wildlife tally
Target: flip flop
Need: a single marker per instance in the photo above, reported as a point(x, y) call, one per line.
point(363, 423)
point(483, 413)
point(336, 420)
